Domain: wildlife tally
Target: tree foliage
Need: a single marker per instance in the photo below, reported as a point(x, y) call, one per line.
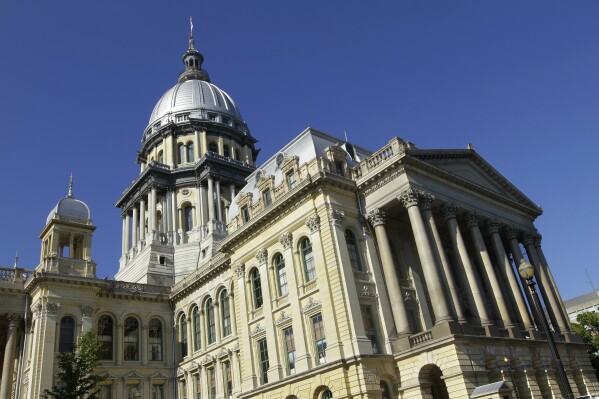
point(587, 326)
point(76, 379)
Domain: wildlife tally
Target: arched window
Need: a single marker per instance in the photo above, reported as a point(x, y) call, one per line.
point(256, 288)
point(210, 322)
point(225, 313)
point(160, 156)
point(327, 395)
point(308, 260)
point(352, 248)
point(213, 147)
point(195, 324)
point(66, 341)
point(190, 155)
point(105, 336)
point(281, 274)
point(155, 340)
point(183, 335)
point(226, 151)
point(187, 218)
point(181, 153)
point(131, 339)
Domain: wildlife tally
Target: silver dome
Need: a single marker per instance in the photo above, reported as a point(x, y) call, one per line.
point(194, 96)
point(70, 208)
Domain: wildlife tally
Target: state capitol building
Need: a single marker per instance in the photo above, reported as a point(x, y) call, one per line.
point(327, 271)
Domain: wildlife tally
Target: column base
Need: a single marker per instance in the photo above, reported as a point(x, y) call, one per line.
point(446, 328)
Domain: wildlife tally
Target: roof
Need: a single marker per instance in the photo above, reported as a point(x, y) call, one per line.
point(494, 387)
point(70, 208)
point(582, 302)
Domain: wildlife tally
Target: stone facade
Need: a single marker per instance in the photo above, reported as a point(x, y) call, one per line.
point(328, 271)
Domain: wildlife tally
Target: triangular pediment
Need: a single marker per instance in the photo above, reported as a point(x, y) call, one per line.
point(469, 167)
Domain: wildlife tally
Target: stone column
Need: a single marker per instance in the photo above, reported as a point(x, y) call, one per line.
point(219, 209)
point(511, 235)
point(144, 343)
point(449, 281)
point(210, 199)
point(196, 145)
point(135, 231)
point(152, 214)
point(556, 294)
point(173, 151)
point(124, 237)
point(489, 274)
point(199, 207)
point(470, 281)
point(508, 274)
point(14, 322)
point(203, 142)
point(119, 343)
point(142, 219)
point(398, 307)
point(128, 232)
point(173, 210)
point(233, 193)
point(551, 303)
point(410, 198)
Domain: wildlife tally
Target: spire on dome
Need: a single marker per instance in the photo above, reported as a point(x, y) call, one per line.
point(70, 194)
point(191, 41)
point(193, 60)
point(16, 264)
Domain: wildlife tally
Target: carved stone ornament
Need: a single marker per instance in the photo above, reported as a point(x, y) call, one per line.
point(364, 225)
point(283, 317)
point(510, 232)
point(409, 298)
point(449, 211)
point(472, 219)
point(492, 226)
point(366, 292)
point(14, 320)
point(52, 308)
point(312, 304)
point(376, 217)
point(239, 270)
point(87, 310)
point(222, 353)
point(426, 201)
point(207, 359)
point(286, 240)
point(336, 216)
point(258, 330)
point(262, 255)
point(538, 238)
point(527, 239)
point(235, 348)
point(410, 197)
point(313, 223)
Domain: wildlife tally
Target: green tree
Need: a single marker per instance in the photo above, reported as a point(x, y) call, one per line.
point(76, 379)
point(587, 326)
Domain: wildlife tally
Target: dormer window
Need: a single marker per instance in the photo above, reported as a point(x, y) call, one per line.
point(290, 177)
point(266, 197)
point(339, 169)
point(212, 117)
point(245, 214)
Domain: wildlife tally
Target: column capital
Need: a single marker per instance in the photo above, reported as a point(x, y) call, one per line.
point(527, 238)
point(14, 320)
point(376, 217)
point(239, 270)
point(537, 239)
point(313, 222)
point(510, 232)
point(52, 308)
point(472, 219)
point(410, 197)
point(492, 226)
point(87, 310)
point(286, 239)
point(426, 201)
point(449, 211)
point(262, 255)
point(336, 216)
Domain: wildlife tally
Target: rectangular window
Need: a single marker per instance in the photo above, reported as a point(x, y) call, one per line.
point(106, 392)
point(211, 383)
point(198, 387)
point(227, 379)
point(339, 168)
point(320, 342)
point(157, 391)
point(291, 182)
point(290, 349)
point(245, 214)
point(263, 354)
point(369, 327)
point(266, 198)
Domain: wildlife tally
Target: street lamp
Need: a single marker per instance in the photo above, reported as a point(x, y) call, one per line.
point(527, 272)
point(509, 366)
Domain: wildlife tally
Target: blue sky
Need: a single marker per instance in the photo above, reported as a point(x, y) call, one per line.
point(519, 80)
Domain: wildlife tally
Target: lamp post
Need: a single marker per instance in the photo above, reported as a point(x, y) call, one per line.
point(527, 272)
point(509, 366)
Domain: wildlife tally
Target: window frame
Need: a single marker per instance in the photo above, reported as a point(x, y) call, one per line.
point(107, 355)
point(319, 336)
point(131, 346)
point(225, 314)
point(66, 337)
point(257, 298)
point(210, 322)
point(281, 274)
point(308, 263)
point(156, 342)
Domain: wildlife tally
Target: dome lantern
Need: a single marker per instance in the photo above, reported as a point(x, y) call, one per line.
point(193, 60)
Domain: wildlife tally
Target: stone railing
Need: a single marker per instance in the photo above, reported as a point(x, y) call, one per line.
point(14, 275)
point(395, 148)
point(137, 288)
point(420, 338)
